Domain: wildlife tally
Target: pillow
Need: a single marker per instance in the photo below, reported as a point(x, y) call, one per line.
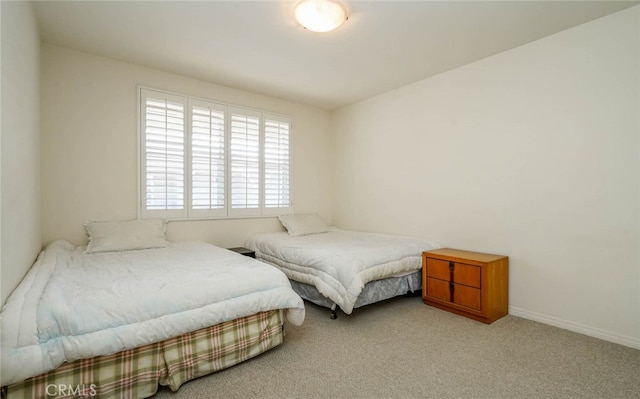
point(126, 235)
point(303, 224)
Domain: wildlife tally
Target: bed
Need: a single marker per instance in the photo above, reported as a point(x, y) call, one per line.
point(93, 321)
point(338, 268)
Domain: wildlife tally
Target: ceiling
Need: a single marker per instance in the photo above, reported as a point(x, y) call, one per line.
point(258, 47)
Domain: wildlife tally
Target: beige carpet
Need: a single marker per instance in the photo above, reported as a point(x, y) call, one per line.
point(402, 348)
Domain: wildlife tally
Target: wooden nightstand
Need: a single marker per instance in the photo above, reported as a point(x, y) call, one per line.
point(471, 284)
point(244, 251)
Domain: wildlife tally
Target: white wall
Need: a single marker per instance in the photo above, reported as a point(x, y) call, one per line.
point(20, 225)
point(89, 124)
point(532, 153)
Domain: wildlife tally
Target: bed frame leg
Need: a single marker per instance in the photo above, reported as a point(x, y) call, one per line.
point(334, 315)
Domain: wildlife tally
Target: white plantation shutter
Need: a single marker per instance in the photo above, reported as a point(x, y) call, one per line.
point(163, 172)
point(244, 149)
point(208, 161)
point(200, 159)
point(276, 163)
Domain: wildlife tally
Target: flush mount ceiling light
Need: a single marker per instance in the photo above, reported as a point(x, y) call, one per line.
point(320, 15)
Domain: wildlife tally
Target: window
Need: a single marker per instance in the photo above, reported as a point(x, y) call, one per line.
point(200, 159)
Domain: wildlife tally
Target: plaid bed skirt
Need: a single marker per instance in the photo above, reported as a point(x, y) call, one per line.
point(136, 373)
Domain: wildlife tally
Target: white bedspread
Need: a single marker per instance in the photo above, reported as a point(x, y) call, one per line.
point(73, 305)
point(339, 262)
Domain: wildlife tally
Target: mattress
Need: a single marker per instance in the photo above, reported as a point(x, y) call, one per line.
point(73, 305)
point(339, 263)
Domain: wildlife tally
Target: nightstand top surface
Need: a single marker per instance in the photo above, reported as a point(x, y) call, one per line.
point(241, 250)
point(462, 254)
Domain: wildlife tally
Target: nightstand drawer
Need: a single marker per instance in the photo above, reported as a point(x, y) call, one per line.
point(467, 296)
point(439, 289)
point(462, 273)
point(437, 268)
point(466, 274)
point(455, 293)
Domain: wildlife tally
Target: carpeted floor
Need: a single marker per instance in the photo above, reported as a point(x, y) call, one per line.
point(402, 348)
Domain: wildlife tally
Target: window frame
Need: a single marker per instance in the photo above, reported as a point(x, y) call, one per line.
point(227, 212)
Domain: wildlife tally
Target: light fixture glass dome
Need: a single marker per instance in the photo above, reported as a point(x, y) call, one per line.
point(320, 15)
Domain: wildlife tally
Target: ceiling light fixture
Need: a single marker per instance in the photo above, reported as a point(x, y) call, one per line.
point(320, 15)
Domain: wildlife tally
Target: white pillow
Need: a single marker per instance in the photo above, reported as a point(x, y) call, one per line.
point(303, 224)
point(126, 235)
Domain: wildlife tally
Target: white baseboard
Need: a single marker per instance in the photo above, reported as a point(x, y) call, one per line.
point(576, 327)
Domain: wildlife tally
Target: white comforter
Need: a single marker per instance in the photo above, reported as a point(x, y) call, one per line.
point(73, 305)
point(339, 262)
